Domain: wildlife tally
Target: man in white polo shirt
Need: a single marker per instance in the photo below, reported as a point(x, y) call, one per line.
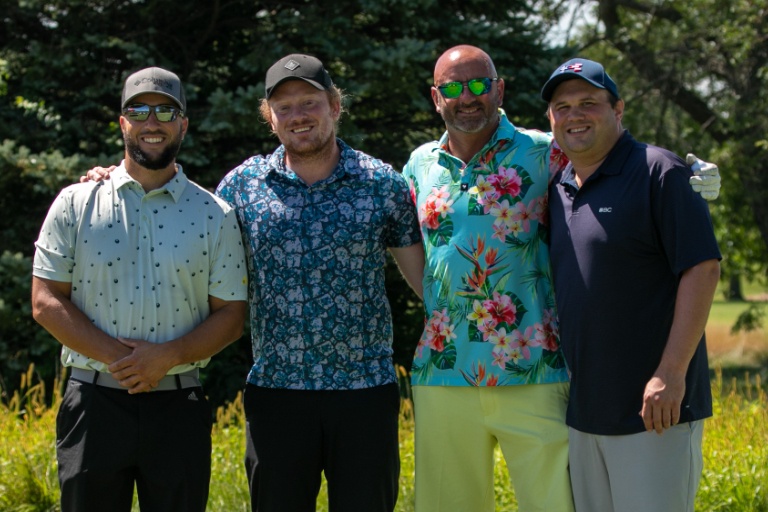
point(142, 279)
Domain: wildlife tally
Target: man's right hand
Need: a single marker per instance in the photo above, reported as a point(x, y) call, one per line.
point(98, 174)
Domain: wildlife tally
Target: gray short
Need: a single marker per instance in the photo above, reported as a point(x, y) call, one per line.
point(638, 472)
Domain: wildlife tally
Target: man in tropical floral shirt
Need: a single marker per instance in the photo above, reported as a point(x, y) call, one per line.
point(488, 368)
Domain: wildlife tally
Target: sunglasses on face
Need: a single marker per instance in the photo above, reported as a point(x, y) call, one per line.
point(163, 113)
point(477, 86)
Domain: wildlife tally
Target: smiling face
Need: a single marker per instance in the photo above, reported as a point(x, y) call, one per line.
point(304, 119)
point(468, 113)
point(583, 121)
point(151, 144)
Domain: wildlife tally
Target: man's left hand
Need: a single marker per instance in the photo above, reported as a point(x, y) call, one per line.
point(661, 402)
point(706, 177)
point(142, 370)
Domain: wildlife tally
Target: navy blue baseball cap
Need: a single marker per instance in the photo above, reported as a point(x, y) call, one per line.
point(588, 70)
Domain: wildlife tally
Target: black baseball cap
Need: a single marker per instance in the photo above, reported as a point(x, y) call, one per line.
point(591, 71)
point(154, 80)
point(297, 67)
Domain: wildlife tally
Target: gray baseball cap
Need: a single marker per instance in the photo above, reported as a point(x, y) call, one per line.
point(154, 80)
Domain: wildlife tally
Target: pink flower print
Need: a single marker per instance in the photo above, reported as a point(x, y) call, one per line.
point(412, 190)
point(429, 215)
point(507, 182)
point(437, 205)
point(524, 214)
point(501, 308)
point(487, 196)
point(500, 231)
point(524, 341)
point(501, 340)
point(441, 194)
point(547, 332)
point(500, 357)
point(486, 329)
point(443, 207)
point(546, 337)
point(557, 160)
point(502, 212)
point(438, 331)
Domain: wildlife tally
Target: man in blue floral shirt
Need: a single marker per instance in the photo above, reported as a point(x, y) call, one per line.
point(318, 218)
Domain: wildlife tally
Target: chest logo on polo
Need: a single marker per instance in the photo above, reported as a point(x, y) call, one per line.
point(605, 209)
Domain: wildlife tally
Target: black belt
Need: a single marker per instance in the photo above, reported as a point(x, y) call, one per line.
point(190, 379)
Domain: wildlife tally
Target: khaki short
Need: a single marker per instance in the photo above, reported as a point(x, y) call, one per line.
point(638, 472)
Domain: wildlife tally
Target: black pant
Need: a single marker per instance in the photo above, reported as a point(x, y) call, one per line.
point(107, 441)
point(292, 436)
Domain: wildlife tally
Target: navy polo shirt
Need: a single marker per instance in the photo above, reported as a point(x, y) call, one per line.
point(619, 246)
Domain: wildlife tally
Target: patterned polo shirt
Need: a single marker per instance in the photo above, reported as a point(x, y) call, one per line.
point(320, 318)
point(142, 264)
point(490, 308)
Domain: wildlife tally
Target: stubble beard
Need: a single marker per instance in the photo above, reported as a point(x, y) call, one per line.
point(157, 163)
point(317, 149)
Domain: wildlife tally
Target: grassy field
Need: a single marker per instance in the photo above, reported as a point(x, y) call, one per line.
point(735, 477)
point(741, 351)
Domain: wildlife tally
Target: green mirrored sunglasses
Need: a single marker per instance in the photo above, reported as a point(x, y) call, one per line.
point(477, 86)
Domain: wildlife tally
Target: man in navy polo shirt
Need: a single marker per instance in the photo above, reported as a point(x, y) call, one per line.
point(635, 266)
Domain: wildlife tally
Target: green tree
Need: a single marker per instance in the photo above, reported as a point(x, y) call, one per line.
point(695, 85)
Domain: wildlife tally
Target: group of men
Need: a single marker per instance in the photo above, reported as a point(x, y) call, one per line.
point(515, 243)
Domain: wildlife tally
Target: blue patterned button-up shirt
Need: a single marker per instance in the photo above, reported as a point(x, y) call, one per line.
point(320, 318)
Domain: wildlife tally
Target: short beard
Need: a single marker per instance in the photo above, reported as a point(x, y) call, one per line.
point(162, 161)
point(491, 115)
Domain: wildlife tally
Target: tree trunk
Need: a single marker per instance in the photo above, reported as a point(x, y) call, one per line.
point(734, 292)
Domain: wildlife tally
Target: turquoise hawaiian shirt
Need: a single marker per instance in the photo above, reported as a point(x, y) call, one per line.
point(490, 309)
point(320, 318)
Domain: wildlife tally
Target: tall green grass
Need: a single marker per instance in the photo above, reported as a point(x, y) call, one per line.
point(735, 475)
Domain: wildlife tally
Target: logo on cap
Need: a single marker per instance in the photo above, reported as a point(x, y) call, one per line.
point(156, 81)
point(291, 65)
point(576, 68)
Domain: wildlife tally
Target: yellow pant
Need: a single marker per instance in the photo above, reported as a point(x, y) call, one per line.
point(457, 429)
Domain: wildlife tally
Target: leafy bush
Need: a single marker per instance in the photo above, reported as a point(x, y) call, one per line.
point(22, 340)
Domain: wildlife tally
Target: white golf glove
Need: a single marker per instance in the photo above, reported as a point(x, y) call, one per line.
point(705, 179)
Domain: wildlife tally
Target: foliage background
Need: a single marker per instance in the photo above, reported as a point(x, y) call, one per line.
point(689, 84)
point(62, 65)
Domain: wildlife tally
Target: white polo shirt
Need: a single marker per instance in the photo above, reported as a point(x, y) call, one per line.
point(142, 264)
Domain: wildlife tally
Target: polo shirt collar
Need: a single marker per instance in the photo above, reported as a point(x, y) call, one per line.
point(611, 166)
point(504, 132)
point(175, 187)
